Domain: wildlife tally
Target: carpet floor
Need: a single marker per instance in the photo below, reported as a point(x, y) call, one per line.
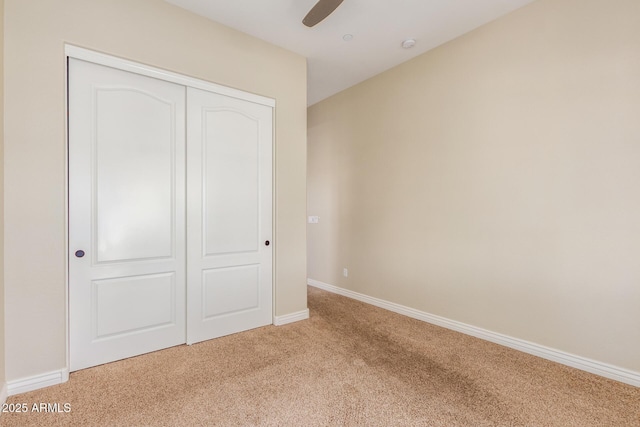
point(350, 364)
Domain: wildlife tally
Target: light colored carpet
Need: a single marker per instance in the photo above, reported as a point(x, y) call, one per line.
point(350, 364)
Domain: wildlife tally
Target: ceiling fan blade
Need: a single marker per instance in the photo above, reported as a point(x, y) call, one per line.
point(321, 10)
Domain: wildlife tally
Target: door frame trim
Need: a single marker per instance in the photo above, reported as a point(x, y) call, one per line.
point(77, 52)
point(158, 73)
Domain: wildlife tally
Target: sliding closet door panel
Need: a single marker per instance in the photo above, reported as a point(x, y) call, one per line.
point(126, 214)
point(229, 214)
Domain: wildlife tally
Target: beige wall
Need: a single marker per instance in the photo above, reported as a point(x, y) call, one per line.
point(148, 31)
point(495, 180)
point(2, 370)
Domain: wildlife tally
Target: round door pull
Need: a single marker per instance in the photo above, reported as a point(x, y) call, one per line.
point(79, 254)
point(267, 243)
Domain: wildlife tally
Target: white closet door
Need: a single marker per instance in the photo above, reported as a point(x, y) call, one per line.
point(126, 214)
point(229, 199)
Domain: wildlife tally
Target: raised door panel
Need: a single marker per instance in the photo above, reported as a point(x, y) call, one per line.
point(134, 170)
point(135, 314)
point(230, 290)
point(231, 181)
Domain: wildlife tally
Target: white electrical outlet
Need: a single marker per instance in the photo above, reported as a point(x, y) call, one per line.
point(313, 219)
point(345, 272)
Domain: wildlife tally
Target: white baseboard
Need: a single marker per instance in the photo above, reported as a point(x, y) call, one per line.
point(35, 382)
point(3, 393)
point(603, 369)
point(291, 317)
